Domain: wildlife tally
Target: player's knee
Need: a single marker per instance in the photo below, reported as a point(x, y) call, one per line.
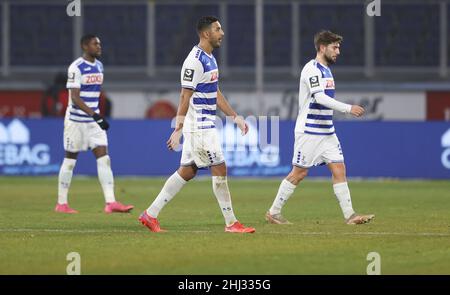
point(192, 174)
point(339, 175)
point(301, 174)
point(339, 178)
point(100, 151)
point(219, 170)
point(187, 174)
point(297, 175)
point(70, 155)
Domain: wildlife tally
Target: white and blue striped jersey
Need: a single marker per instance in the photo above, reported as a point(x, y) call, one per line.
point(88, 77)
point(314, 118)
point(201, 74)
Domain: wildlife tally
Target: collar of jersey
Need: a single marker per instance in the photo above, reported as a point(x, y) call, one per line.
point(88, 62)
point(209, 55)
point(321, 64)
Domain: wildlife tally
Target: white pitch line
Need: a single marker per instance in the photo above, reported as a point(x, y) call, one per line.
point(89, 231)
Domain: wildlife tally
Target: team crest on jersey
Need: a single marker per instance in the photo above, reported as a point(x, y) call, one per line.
point(188, 75)
point(314, 81)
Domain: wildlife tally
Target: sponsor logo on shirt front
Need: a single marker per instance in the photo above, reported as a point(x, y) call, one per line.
point(93, 79)
point(329, 84)
point(214, 76)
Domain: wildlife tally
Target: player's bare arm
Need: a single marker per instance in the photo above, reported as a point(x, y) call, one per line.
point(75, 95)
point(174, 139)
point(76, 99)
point(223, 105)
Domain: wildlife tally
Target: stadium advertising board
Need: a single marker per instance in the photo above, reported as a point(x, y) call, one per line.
point(138, 147)
point(382, 106)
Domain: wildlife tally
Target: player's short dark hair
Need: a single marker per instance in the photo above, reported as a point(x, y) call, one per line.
point(87, 38)
point(204, 23)
point(325, 38)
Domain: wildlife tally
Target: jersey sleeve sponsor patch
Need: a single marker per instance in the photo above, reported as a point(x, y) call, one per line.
point(314, 81)
point(188, 75)
point(71, 77)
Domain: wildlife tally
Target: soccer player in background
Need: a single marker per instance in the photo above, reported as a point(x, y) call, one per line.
point(316, 142)
point(85, 128)
point(200, 96)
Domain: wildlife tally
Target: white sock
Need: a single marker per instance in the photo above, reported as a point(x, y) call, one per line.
point(64, 179)
point(345, 201)
point(284, 193)
point(105, 176)
point(172, 186)
point(220, 188)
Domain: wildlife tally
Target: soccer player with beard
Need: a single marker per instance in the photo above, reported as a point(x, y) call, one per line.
point(199, 99)
point(316, 142)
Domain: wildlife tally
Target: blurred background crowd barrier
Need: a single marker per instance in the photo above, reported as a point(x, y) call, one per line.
point(396, 65)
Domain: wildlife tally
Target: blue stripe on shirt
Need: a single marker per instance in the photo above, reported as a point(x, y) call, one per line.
point(329, 92)
point(318, 133)
point(206, 127)
point(77, 108)
point(320, 117)
point(80, 115)
point(79, 121)
point(203, 119)
point(319, 125)
point(208, 101)
point(91, 88)
point(91, 71)
point(317, 106)
point(89, 99)
point(208, 112)
point(207, 87)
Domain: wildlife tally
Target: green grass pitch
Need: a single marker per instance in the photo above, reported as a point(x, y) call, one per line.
point(411, 231)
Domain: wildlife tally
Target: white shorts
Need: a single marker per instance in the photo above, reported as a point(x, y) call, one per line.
point(202, 149)
point(313, 150)
point(83, 136)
